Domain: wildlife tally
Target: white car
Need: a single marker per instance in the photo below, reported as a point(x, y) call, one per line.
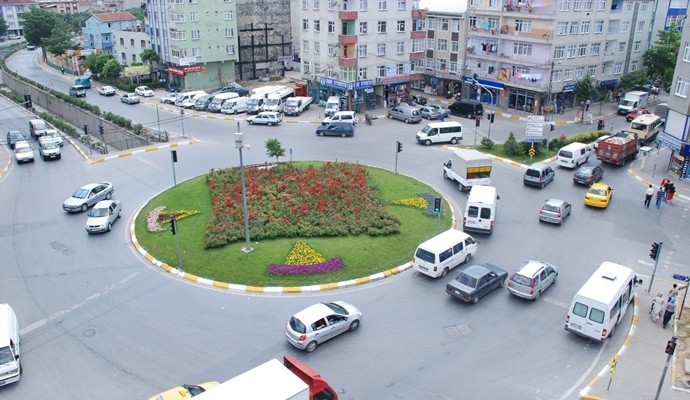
point(320, 322)
point(13, 37)
point(169, 98)
point(266, 118)
point(23, 152)
point(130, 98)
point(52, 134)
point(103, 215)
point(88, 195)
point(144, 91)
point(106, 91)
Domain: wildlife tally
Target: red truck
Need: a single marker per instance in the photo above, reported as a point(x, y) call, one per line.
point(619, 148)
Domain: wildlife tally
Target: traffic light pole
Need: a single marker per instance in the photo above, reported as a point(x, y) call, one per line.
point(670, 349)
point(656, 250)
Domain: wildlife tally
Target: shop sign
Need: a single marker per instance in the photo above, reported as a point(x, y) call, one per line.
point(609, 82)
point(176, 71)
point(569, 87)
point(194, 68)
point(669, 141)
point(137, 70)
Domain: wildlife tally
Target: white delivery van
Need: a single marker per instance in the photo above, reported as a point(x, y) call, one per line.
point(573, 155)
point(187, 96)
point(480, 211)
point(440, 132)
point(10, 368)
point(217, 103)
point(602, 301)
point(234, 106)
point(276, 101)
point(332, 105)
point(443, 252)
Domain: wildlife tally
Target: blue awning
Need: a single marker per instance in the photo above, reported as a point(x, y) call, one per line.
point(487, 83)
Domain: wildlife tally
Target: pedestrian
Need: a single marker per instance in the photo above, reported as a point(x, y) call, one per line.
point(589, 117)
point(658, 306)
point(660, 196)
point(669, 311)
point(618, 96)
point(664, 182)
point(441, 117)
point(671, 191)
point(674, 291)
point(648, 194)
point(62, 70)
point(587, 103)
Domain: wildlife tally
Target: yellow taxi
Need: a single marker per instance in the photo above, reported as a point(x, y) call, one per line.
point(184, 392)
point(599, 195)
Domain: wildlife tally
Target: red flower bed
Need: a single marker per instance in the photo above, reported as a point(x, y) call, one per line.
point(335, 199)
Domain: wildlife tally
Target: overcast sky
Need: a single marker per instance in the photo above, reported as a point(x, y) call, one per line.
point(456, 6)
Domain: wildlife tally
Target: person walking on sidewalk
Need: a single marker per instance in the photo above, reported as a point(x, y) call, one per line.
point(648, 194)
point(589, 117)
point(660, 196)
point(670, 192)
point(669, 311)
point(587, 103)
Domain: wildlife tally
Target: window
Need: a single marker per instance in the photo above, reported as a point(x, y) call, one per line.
point(453, 67)
point(584, 27)
point(627, 6)
point(430, 44)
point(523, 49)
point(418, 45)
point(577, 5)
point(381, 27)
point(402, 4)
point(579, 72)
point(601, 5)
point(618, 68)
point(640, 26)
point(443, 24)
point(559, 52)
point(568, 74)
point(124, 56)
point(401, 26)
point(582, 50)
point(473, 22)
point(399, 47)
point(331, 27)
point(381, 49)
point(574, 27)
point(442, 45)
point(455, 25)
point(565, 5)
point(196, 35)
point(317, 25)
point(229, 15)
point(686, 52)
point(681, 87)
point(597, 316)
point(643, 6)
point(122, 41)
point(431, 24)
point(598, 26)
point(588, 5)
point(493, 23)
point(625, 26)
point(572, 50)
point(305, 4)
point(196, 51)
point(562, 28)
point(382, 5)
point(305, 24)
point(194, 17)
point(621, 47)
point(363, 5)
point(362, 73)
point(454, 47)
point(557, 76)
point(592, 71)
point(230, 49)
point(332, 50)
point(229, 32)
point(637, 46)
point(523, 25)
point(381, 71)
point(594, 49)
point(633, 66)
point(362, 51)
point(362, 28)
point(317, 47)
point(441, 64)
point(305, 46)
point(316, 5)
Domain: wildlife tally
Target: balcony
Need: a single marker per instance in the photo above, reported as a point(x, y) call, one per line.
point(106, 45)
point(418, 35)
point(417, 56)
point(347, 39)
point(418, 13)
point(535, 33)
point(347, 62)
point(347, 15)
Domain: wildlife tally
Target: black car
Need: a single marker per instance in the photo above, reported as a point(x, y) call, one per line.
point(342, 129)
point(588, 174)
point(467, 108)
point(232, 88)
point(421, 100)
point(477, 281)
point(14, 137)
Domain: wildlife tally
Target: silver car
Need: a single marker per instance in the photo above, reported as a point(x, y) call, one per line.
point(531, 279)
point(440, 109)
point(130, 98)
point(429, 113)
point(320, 322)
point(266, 118)
point(52, 134)
point(554, 211)
point(88, 195)
point(103, 215)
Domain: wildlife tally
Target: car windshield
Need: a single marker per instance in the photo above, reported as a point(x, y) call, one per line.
point(99, 212)
point(6, 355)
point(297, 325)
point(597, 191)
point(51, 145)
point(145, 88)
point(24, 150)
point(337, 308)
point(551, 208)
point(585, 171)
point(467, 280)
point(80, 194)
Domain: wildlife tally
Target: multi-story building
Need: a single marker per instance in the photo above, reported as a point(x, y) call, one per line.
point(668, 13)
point(98, 29)
point(197, 41)
point(362, 50)
point(676, 131)
point(59, 6)
point(11, 12)
point(129, 44)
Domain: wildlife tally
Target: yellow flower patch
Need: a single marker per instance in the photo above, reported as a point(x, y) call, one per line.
point(302, 254)
point(418, 202)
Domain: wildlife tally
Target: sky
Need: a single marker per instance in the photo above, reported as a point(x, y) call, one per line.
point(457, 6)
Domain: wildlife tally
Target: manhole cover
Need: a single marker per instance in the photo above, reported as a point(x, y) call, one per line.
point(457, 330)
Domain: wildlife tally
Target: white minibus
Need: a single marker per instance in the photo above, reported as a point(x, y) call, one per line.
point(440, 132)
point(480, 212)
point(443, 252)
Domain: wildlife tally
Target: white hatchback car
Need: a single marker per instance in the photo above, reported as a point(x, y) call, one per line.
point(320, 322)
point(266, 118)
point(130, 98)
point(106, 91)
point(103, 215)
point(144, 91)
point(531, 279)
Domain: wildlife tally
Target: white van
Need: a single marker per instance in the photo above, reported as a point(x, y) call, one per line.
point(332, 105)
point(440, 132)
point(234, 106)
point(602, 301)
point(10, 368)
point(443, 252)
point(480, 211)
point(276, 101)
point(217, 103)
point(182, 97)
point(574, 154)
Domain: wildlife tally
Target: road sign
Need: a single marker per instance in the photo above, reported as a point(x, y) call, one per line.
point(535, 127)
point(683, 278)
point(533, 139)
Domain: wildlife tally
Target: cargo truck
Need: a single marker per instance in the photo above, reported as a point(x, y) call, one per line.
point(631, 101)
point(619, 148)
point(295, 105)
point(468, 168)
point(273, 380)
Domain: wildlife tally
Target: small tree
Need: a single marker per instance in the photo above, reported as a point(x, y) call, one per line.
point(511, 146)
point(3, 27)
point(111, 70)
point(274, 148)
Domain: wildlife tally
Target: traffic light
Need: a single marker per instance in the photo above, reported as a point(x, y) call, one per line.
point(437, 205)
point(399, 147)
point(27, 100)
point(491, 117)
point(173, 226)
point(671, 346)
point(477, 121)
point(86, 129)
point(654, 253)
point(552, 127)
point(173, 154)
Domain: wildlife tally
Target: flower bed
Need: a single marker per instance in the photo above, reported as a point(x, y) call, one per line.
point(302, 259)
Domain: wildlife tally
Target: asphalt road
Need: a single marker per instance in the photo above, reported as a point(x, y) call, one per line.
point(99, 322)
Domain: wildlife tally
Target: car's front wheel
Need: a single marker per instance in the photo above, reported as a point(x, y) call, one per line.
point(343, 135)
point(354, 325)
point(84, 207)
point(109, 195)
point(311, 346)
point(251, 122)
point(110, 226)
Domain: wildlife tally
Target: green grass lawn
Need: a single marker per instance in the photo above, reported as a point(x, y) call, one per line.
point(363, 255)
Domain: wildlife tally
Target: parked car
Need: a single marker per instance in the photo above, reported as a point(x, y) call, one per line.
point(23, 152)
point(233, 87)
point(13, 37)
point(419, 99)
point(599, 195)
point(106, 91)
point(13, 137)
point(103, 215)
point(445, 111)
point(636, 113)
point(320, 322)
point(476, 281)
point(144, 91)
point(265, 118)
point(599, 140)
point(342, 129)
point(169, 98)
point(130, 98)
point(531, 279)
point(88, 195)
point(588, 174)
point(554, 211)
point(429, 112)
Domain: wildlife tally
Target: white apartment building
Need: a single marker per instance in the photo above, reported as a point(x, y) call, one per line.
point(129, 44)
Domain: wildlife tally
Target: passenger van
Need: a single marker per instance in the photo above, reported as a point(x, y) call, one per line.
point(467, 108)
point(10, 368)
point(646, 126)
point(407, 114)
point(602, 301)
point(259, 96)
point(341, 116)
point(37, 127)
point(440, 132)
point(480, 211)
point(218, 100)
point(276, 101)
point(234, 106)
point(186, 96)
point(332, 105)
point(538, 174)
point(572, 155)
point(443, 252)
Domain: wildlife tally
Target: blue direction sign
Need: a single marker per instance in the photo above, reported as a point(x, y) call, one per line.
point(683, 278)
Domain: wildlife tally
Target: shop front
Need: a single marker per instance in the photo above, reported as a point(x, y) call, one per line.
point(358, 96)
point(487, 91)
point(441, 84)
point(607, 89)
point(178, 77)
point(397, 89)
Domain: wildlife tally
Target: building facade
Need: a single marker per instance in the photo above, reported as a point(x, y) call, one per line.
point(129, 44)
point(59, 6)
point(98, 30)
point(11, 12)
point(197, 41)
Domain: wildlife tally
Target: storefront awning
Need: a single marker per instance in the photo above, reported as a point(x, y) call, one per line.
point(485, 83)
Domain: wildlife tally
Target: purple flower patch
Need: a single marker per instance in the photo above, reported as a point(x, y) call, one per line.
point(333, 264)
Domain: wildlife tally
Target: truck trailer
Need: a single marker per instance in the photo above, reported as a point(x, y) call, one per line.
point(468, 168)
point(618, 149)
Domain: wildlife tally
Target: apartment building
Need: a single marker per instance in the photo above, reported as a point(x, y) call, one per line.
point(362, 50)
point(98, 29)
point(60, 6)
point(11, 12)
point(668, 13)
point(128, 45)
point(197, 41)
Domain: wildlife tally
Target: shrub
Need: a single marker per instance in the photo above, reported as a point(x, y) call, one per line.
point(511, 146)
point(487, 143)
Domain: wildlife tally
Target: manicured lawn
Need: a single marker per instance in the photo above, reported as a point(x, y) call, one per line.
point(363, 254)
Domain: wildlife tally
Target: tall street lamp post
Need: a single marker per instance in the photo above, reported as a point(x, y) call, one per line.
point(239, 144)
